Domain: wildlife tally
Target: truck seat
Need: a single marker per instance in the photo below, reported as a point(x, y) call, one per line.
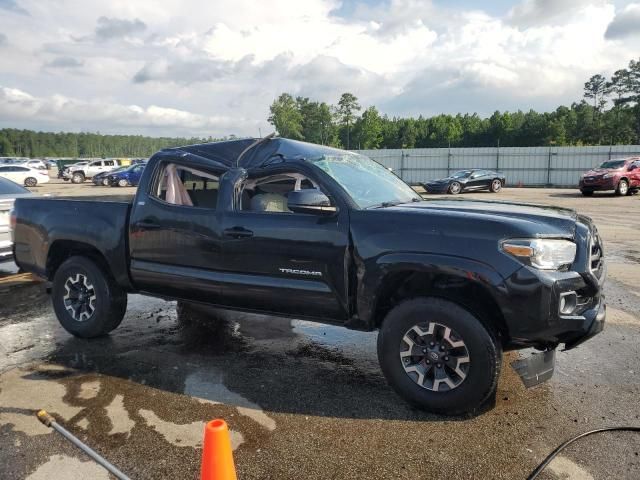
point(269, 202)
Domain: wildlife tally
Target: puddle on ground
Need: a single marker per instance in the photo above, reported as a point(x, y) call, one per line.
point(206, 385)
point(342, 346)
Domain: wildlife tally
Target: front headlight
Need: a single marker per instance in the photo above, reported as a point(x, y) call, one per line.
point(542, 253)
point(607, 175)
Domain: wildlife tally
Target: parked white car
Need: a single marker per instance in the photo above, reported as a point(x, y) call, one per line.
point(79, 173)
point(39, 164)
point(9, 191)
point(29, 177)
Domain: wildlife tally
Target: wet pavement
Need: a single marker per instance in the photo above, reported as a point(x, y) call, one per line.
point(305, 400)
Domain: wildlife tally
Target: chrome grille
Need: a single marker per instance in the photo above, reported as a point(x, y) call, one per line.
point(596, 253)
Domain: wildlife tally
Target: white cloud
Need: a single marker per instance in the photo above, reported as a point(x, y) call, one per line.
point(17, 105)
point(176, 65)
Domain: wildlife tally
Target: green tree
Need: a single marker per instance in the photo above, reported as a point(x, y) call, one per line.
point(317, 122)
point(368, 129)
point(346, 112)
point(626, 83)
point(596, 88)
point(286, 117)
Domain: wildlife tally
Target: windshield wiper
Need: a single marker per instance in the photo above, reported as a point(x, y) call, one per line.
point(386, 204)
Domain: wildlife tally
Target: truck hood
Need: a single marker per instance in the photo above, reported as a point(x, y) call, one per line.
point(540, 218)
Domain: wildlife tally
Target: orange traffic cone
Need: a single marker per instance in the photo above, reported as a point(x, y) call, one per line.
point(217, 455)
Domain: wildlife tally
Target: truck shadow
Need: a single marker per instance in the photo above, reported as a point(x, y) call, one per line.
point(246, 361)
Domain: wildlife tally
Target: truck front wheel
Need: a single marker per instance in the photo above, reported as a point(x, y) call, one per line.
point(87, 300)
point(438, 356)
point(78, 177)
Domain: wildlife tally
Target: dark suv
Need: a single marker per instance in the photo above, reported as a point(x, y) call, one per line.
point(620, 175)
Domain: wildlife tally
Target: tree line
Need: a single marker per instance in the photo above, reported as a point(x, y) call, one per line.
point(609, 113)
point(28, 143)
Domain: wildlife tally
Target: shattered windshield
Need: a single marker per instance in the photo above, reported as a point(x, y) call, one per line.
point(367, 182)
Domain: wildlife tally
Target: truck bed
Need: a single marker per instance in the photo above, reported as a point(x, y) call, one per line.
point(44, 225)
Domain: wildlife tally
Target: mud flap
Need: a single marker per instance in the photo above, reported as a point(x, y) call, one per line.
point(535, 369)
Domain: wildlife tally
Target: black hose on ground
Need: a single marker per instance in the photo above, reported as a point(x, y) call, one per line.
point(553, 454)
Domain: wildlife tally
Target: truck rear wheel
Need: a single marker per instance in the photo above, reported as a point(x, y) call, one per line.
point(87, 300)
point(438, 356)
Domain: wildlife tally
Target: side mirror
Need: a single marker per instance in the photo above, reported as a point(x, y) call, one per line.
point(631, 167)
point(310, 200)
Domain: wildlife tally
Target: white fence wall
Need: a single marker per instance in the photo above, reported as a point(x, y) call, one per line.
point(526, 166)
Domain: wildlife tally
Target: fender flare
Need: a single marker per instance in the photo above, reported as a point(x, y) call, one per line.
point(373, 279)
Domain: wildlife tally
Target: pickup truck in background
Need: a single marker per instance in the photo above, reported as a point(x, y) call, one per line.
point(282, 227)
point(78, 173)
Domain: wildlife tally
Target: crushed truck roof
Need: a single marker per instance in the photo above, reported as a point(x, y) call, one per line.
point(275, 150)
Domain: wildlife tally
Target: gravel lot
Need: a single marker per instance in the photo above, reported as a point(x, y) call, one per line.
point(305, 400)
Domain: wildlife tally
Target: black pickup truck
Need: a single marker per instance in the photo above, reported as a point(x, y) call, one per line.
point(288, 228)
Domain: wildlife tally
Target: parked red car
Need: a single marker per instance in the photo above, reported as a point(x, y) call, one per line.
point(620, 175)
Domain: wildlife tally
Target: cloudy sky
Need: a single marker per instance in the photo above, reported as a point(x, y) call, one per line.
point(196, 67)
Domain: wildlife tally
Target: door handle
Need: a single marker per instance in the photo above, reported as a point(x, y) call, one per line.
point(148, 226)
point(237, 232)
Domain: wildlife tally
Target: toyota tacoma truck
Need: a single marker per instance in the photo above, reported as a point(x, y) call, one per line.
point(288, 228)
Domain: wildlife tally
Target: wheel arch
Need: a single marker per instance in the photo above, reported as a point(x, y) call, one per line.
point(62, 250)
point(473, 290)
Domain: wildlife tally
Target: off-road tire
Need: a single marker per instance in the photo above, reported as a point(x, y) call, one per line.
point(110, 300)
point(484, 351)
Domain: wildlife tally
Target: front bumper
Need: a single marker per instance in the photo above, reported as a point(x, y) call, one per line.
point(534, 313)
point(436, 187)
point(535, 319)
point(598, 184)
